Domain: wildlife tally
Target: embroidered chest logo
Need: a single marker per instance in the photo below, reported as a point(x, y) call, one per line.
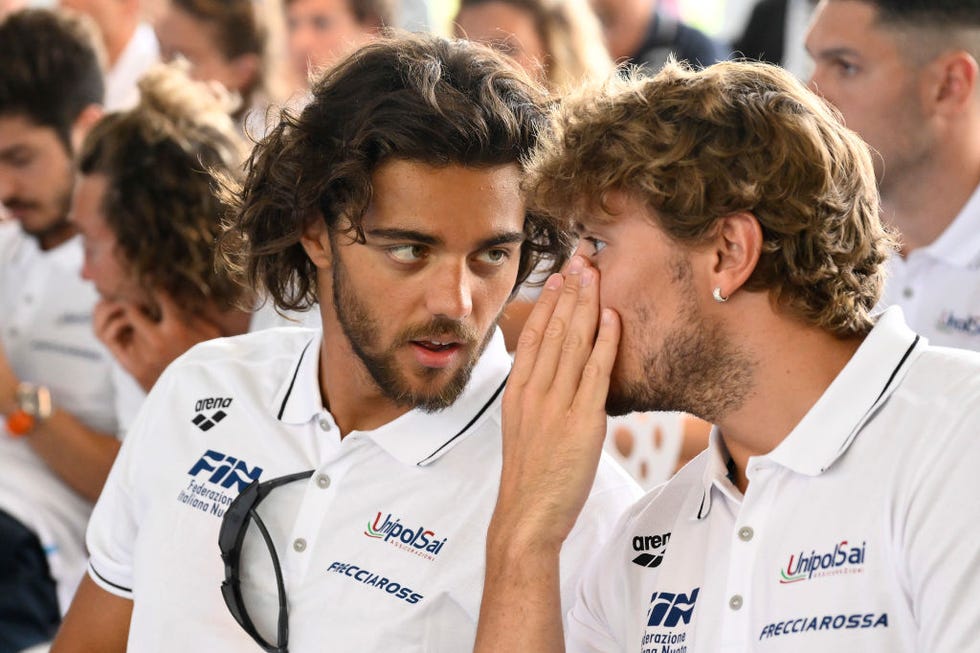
point(210, 411)
point(842, 559)
point(669, 612)
point(418, 540)
point(651, 549)
point(216, 479)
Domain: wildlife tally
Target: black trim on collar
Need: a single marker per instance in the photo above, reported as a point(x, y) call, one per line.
point(289, 390)
point(468, 425)
point(908, 352)
point(107, 581)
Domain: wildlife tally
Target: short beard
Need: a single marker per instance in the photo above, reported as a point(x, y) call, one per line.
point(697, 369)
point(361, 330)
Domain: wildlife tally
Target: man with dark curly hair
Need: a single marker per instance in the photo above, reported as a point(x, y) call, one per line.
point(393, 202)
point(730, 258)
point(57, 395)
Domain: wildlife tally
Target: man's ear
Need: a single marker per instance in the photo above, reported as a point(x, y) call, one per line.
point(90, 115)
point(954, 82)
point(316, 242)
point(736, 249)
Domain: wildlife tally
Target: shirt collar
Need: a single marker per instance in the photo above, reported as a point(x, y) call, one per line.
point(829, 427)
point(417, 437)
point(872, 374)
point(959, 244)
point(717, 475)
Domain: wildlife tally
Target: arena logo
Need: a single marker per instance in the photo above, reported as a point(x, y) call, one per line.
point(207, 420)
point(843, 559)
point(225, 470)
point(644, 544)
point(418, 540)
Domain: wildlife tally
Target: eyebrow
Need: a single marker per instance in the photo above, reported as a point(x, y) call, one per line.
point(504, 238)
point(830, 53)
point(18, 149)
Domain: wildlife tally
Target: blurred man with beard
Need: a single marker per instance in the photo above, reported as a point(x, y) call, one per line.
point(393, 201)
point(56, 390)
point(905, 74)
point(731, 256)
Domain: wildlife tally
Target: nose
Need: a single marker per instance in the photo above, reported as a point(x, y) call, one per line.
point(450, 293)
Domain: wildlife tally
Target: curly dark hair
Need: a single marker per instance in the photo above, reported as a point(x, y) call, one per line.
point(696, 146)
point(417, 98)
point(160, 202)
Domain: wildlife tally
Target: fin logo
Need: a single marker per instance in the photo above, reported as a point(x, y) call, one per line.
point(646, 543)
point(668, 609)
point(207, 420)
point(226, 470)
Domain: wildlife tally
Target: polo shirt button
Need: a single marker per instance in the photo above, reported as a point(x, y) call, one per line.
point(735, 603)
point(907, 293)
point(324, 424)
point(322, 481)
point(745, 533)
point(299, 545)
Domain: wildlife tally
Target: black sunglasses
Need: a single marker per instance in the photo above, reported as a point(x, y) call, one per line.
point(234, 525)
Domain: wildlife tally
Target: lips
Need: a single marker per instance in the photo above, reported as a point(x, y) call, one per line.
point(436, 352)
point(435, 345)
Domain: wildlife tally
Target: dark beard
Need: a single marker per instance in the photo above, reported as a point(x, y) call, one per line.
point(697, 369)
point(362, 331)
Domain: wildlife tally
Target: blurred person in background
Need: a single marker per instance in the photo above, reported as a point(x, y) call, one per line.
point(130, 46)
point(226, 41)
point(558, 42)
point(319, 33)
point(905, 75)
point(639, 32)
point(147, 210)
point(57, 396)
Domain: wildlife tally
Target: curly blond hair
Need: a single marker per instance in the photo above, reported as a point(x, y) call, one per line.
point(696, 146)
point(160, 201)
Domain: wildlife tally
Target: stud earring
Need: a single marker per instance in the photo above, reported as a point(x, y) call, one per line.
point(716, 293)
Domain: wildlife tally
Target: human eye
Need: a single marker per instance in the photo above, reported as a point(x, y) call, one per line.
point(407, 253)
point(596, 244)
point(495, 256)
point(845, 68)
point(321, 23)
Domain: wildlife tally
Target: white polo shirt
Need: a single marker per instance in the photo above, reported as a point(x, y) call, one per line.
point(140, 53)
point(46, 331)
point(249, 407)
point(857, 533)
point(938, 286)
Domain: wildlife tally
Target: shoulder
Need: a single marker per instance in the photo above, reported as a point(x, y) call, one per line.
point(256, 349)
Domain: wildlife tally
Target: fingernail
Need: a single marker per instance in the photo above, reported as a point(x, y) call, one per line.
point(576, 265)
point(607, 316)
point(553, 282)
point(587, 278)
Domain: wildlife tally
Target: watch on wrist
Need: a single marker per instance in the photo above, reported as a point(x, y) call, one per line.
point(33, 405)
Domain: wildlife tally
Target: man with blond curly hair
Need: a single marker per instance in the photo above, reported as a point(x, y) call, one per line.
point(730, 257)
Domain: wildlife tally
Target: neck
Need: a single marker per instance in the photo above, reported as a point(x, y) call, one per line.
point(798, 365)
point(232, 322)
point(117, 36)
point(56, 235)
point(924, 202)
